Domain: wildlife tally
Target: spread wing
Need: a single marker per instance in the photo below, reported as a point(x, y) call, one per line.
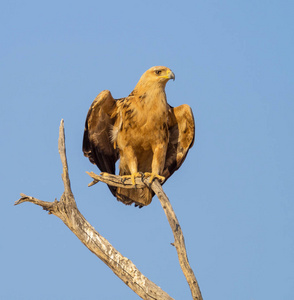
point(181, 138)
point(97, 144)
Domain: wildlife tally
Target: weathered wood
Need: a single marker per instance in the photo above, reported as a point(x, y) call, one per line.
point(118, 181)
point(66, 209)
point(179, 242)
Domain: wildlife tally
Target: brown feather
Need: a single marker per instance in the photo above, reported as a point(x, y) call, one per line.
point(97, 145)
point(181, 138)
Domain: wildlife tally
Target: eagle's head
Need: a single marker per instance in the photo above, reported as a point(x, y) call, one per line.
point(156, 76)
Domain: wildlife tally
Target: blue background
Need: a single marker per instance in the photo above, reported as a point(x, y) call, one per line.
point(233, 196)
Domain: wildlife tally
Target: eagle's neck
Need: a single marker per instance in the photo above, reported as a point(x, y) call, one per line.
point(148, 106)
point(150, 94)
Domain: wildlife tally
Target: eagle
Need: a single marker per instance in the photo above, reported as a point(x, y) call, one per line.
point(148, 136)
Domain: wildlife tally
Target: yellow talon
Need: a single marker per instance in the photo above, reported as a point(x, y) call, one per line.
point(132, 176)
point(153, 176)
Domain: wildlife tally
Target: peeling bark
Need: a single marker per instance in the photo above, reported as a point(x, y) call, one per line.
point(66, 209)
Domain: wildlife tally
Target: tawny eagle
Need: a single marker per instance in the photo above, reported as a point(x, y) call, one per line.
point(142, 130)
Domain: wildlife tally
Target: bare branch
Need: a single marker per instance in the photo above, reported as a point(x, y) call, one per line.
point(66, 209)
point(179, 240)
point(46, 205)
point(62, 153)
point(116, 180)
point(179, 243)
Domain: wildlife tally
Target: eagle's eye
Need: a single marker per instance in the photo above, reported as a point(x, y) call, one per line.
point(158, 72)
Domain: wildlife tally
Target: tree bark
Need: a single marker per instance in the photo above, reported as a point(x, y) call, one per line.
point(66, 209)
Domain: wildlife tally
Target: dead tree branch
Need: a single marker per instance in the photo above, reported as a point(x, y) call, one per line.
point(66, 209)
point(179, 242)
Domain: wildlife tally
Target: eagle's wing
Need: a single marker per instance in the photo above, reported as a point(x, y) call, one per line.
point(181, 137)
point(97, 144)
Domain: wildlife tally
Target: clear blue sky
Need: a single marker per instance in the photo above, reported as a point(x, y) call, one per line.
point(233, 196)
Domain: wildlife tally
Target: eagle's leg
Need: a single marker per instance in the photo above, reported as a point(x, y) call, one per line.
point(158, 161)
point(130, 160)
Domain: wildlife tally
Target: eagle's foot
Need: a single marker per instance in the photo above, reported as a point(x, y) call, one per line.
point(132, 176)
point(153, 176)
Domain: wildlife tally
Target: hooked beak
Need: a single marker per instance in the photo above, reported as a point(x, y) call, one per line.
point(171, 75)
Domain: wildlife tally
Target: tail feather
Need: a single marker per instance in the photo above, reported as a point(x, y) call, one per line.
point(139, 196)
